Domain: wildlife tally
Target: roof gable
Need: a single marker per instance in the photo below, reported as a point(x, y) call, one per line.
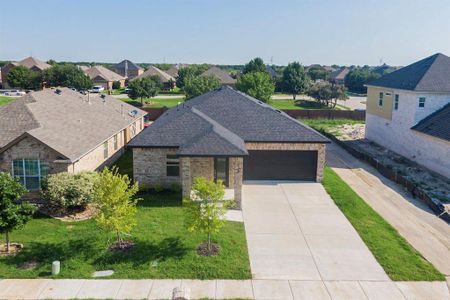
point(154, 71)
point(128, 64)
point(431, 74)
point(220, 74)
point(101, 71)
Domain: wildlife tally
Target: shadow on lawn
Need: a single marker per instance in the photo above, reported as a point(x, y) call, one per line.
point(145, 252)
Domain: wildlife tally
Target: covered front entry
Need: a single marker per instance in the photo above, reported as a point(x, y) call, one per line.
point(280, 165)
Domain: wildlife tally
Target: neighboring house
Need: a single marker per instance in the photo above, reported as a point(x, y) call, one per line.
point(59, 130)
point(408, 112)
point(104, 77)
point(227, 135)
point(31, 63)
point(128, 69)
point(83, 68)
point(167, 80)
point(223, 76)
point(338, 76)
point(173, 71)
point(273, 74)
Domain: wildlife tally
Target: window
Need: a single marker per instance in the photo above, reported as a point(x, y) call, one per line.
point(422, 102)
point(30, 172)
point(380, 99)
point(105, 150)
point(116, 144)
point(397, 97)
point(173, 165)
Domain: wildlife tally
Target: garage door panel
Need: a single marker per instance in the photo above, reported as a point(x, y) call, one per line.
point(280, 165)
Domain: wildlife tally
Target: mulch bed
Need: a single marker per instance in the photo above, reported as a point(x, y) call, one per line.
point(14, 248)
point(122, 246)
point(75, 214)
point(202, 250)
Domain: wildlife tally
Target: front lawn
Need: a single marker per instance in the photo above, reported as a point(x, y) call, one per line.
point(397, 257)
point(301, 104)
point(156, 102)
point(164, 248)
point(5, 100)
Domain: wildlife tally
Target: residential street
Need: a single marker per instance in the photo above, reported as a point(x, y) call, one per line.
point(354, 102)
point(413, 219)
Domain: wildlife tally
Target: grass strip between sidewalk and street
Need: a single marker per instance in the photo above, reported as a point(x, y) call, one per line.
point(397, 257)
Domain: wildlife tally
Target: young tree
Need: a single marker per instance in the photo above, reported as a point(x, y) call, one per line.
point(327, 93)
point(67, 75)
point(189, 72)
point(295, 80)
point(198, 85)
point(255, 65)
point(12, 215)
point(144, 88)
point(115, 202)
point(205, 210)
point(256, 84)
point(23, 78)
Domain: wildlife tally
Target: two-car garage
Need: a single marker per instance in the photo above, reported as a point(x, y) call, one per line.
point(280, 165)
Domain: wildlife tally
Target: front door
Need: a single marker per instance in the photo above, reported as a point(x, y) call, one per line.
point(221, 169)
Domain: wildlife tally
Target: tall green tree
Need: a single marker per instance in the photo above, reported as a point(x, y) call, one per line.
point(255, 65)
point(198, 85)
point(295, 80)
point(67, 75)
point(318, 72)
point(205, 210)
point(144, 88)
point(115, 202)
point(23, 78)
point(357, 78)
point(189, 72)
point(328, 94)
point(256, 84)
point(12, 215)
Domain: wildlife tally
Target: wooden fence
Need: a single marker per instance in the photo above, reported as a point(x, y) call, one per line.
point(154, 113)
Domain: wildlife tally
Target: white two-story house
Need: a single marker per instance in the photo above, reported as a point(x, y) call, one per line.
point(408, 112)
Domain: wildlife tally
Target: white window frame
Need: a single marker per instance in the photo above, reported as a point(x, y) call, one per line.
point(380, 99)
point(422, 102)
point(396, 101)
point(24, 175)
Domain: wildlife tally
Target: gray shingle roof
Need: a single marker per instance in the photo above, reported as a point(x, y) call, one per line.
point(220, 122)
point(130, 65)
point(339, 74)
point(154, 71)
point(104, 73)
point(431, 74)
point(68, 123)
point(437, 124)
point(220, 74)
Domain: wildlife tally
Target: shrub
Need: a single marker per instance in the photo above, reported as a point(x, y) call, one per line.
point(116, 85)
point(65, 191)
point(158, 187)
point(175, 187)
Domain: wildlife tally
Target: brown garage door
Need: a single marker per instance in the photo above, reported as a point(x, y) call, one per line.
point(280, 165)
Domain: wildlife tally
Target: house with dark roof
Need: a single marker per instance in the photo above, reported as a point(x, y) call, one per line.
point(104, 77)
point(128, 69)
point(338, 76)
point(408, 112)
point(31, 63)
point(173, 70)
point(223, 76)
point(60, 130)
point(226, 135)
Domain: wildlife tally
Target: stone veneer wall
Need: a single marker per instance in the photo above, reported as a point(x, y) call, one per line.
point(320, 148)
point(31, 148)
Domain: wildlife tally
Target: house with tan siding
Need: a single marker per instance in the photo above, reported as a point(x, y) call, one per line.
point(229, 136)
point(408, 112)
point(59, 130)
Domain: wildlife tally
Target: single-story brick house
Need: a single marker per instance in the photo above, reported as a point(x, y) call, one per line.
point(59, 130)
point(228, 135)
point(104, 77)
point(31, 63)
point(128, 69)
point(167, 80)
point(223, 76)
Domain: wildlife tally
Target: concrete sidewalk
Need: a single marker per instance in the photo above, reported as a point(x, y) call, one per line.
point(220, 289)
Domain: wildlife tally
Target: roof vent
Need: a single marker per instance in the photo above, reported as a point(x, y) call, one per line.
point(133, 113)
point(58, 91)
point(278, 111)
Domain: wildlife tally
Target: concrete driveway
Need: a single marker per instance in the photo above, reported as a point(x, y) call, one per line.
point(295, 231)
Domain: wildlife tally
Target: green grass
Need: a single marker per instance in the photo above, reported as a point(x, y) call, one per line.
point(157, 102)
point(125, 163)
point(5, 100)
point(159, 235)
point(328, 124)
point(397, 257)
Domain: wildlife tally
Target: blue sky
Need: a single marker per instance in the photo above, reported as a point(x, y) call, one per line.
point(226, 31)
